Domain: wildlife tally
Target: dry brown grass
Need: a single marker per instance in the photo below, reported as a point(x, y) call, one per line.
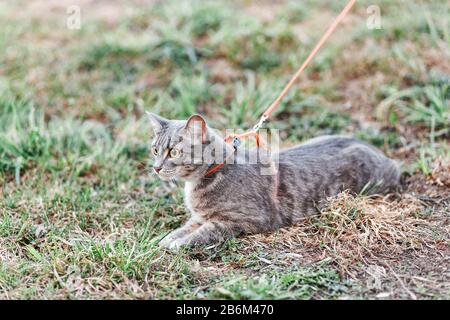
point(441, 173)
point(354, 230)
point(435, 186)
point(384, 241)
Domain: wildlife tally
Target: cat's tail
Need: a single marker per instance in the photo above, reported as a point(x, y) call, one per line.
point(385, 178)
point(391, 176)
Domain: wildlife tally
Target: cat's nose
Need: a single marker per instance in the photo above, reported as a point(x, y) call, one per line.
point(157, 169)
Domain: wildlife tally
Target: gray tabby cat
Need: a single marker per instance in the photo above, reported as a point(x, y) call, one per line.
point(237, 199)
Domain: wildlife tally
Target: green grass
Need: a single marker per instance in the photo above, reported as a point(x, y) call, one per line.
point(428, 105)
point(80, 213)
point(297, 284)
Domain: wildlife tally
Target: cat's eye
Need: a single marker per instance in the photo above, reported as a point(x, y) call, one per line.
point(175, 153)
point(154, 151)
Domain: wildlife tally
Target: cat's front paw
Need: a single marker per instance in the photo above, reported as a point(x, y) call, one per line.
point(171, 244)
point(166, 241)
point(176, 244)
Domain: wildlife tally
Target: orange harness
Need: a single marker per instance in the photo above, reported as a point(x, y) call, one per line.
point(235, 138)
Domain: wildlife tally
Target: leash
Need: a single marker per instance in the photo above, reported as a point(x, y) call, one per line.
point(235, 139)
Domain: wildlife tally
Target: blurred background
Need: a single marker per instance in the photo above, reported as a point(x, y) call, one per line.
point(94, 66)
point(77, 76)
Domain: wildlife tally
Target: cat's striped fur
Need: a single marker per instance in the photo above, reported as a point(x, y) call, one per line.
point(238, 199)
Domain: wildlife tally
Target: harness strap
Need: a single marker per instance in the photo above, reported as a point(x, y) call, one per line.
point(214, 169)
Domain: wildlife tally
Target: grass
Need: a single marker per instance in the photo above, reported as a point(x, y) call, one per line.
point(80, 214)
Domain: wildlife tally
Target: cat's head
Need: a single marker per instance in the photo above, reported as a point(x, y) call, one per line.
point(184, 149)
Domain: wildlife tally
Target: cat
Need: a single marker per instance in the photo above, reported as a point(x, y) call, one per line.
point(237, 199)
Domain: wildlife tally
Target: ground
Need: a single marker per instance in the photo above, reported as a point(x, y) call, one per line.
point(80, 213)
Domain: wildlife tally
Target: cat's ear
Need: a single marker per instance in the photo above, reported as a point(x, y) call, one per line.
point(156, 121)
point(196, 126)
